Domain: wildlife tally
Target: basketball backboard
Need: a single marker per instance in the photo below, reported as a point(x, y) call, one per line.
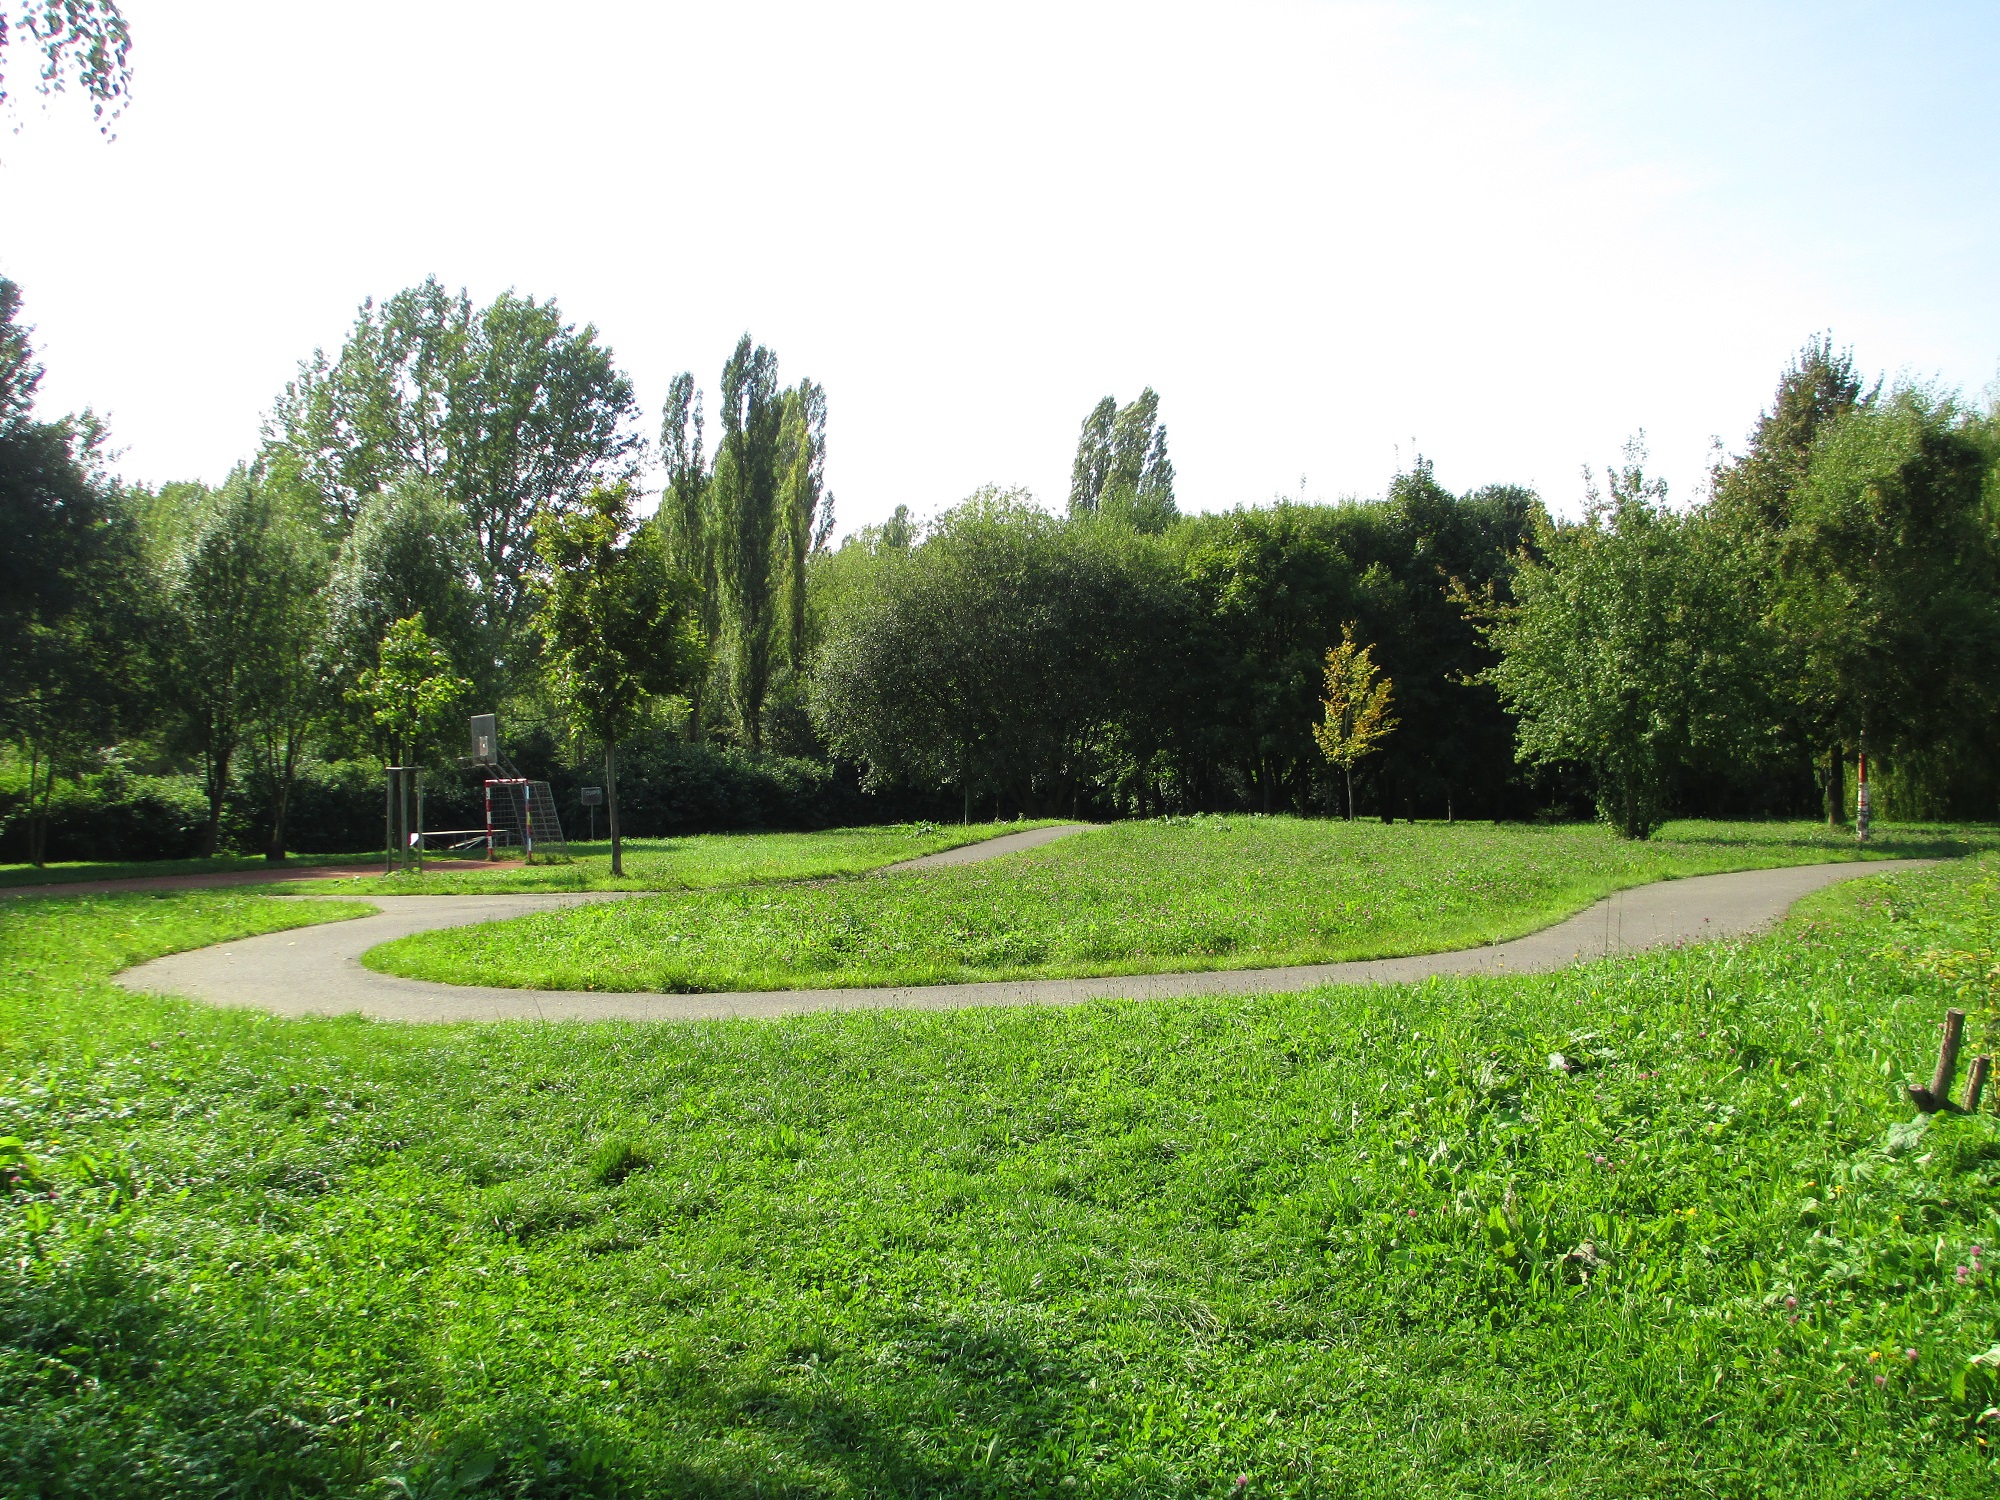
point(485, 739)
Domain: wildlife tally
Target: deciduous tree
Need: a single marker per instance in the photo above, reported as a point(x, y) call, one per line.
point(621, 624)
point(748, 527)
point(1122, 469)
point(1355, 701)
point(1632, 646)
point(411, 696)
point(507, 409)
point(238, 566)
point(1885, 601)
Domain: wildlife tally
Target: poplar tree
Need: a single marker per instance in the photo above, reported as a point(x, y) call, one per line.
point(747, 520)
point(1093, 458)
point(686, 521)
point(1122, 469)
point(805, 503)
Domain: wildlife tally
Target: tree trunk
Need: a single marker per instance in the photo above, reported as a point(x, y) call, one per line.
point(38, 806)
point(281, 801)
point(1829, 782)
point(965, 813)
point(1347, 775)
point(217, 789)
point(274, 848)
point(611, 805)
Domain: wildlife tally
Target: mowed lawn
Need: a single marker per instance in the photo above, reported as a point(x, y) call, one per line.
point(1355, 1242)
point(72, 872)
point(1190, 893)
point(691, 863)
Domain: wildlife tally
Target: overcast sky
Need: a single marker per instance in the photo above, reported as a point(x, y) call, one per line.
point(1505, 235)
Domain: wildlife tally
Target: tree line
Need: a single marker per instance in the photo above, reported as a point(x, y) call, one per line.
point(445, 515)
point(1831, 602)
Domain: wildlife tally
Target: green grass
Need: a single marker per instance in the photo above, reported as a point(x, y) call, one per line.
point(71, 872)
point(1179, 894)
point(1334, 1242)
point(695, 862)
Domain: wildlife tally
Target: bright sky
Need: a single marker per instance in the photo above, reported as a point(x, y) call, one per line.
point(1510, 235)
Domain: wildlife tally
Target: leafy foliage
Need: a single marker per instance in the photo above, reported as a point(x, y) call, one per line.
point(1122, 470)
point(506, 409)
point(620, 625)
point(86, 42)
point(1356, 706)
point(1631, 645)
point(1005, 652)
point(411, 695)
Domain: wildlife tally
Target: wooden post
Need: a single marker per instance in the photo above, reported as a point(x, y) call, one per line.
point(1975, 1082)
point(1938, 1095)
point(1947, 1068)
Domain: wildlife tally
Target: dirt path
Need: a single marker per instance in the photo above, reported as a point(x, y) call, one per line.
point(316, 970)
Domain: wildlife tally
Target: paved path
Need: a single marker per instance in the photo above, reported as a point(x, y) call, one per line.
point(315, 970)
point(972, 854)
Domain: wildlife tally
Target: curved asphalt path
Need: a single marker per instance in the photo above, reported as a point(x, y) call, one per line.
point(317, 970)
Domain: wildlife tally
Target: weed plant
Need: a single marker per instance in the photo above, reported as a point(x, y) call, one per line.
point(1355, 1242)
point(693, 863)
point(1177, 894)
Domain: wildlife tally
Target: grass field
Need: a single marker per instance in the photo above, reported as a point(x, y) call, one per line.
point(1358, 1242)
point(695, 862)
point(1199, 893)
point(71, 872)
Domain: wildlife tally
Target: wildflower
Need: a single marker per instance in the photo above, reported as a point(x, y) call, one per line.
point(1598, 1159)
point(1873, 1355)
point(1960, 1273)
point(1792, 1303)
point(1910, 1354)
point(1881, 1379)
point(1413, 1213)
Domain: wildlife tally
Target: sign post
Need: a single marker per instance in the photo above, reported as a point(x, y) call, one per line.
point(593, 798)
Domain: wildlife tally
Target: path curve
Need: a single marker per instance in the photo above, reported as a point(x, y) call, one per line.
point(316, 970)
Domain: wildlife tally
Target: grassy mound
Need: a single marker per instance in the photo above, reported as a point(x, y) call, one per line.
point(1199, 893)
point(1356, 1242)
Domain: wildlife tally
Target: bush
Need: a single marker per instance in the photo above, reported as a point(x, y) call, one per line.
point(116, 815)
point(113, 817)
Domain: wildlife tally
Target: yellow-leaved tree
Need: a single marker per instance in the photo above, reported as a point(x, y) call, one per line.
point(1357, 700)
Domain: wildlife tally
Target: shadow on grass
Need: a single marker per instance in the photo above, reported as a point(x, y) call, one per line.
point(116, 1392)
point(1882, 845)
